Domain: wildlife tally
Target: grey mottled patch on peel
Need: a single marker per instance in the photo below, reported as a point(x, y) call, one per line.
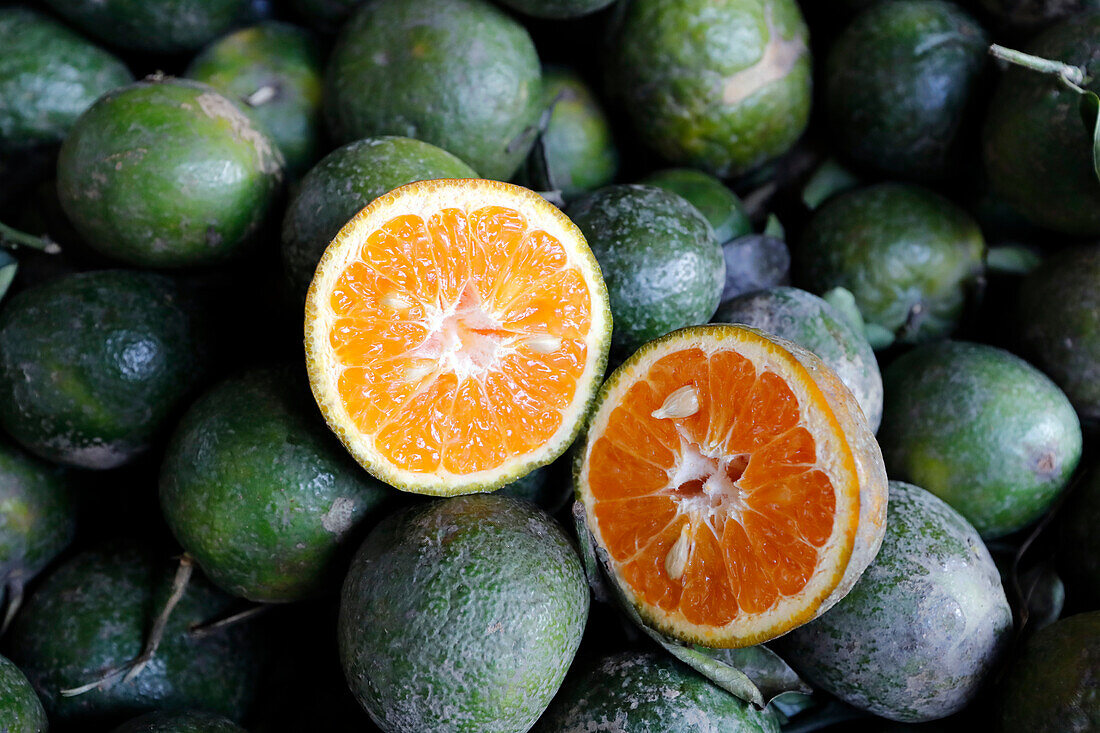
point(779, 57)
point(215, 106)
point(340, 517)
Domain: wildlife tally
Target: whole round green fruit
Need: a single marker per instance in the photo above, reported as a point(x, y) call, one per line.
point(660, 259)
point(644, 692)
point(346, 180)
point(980, 428)
point(93, 364)
point(167, 174)
point(20, 709)
point(460, 74)
point(92, 614)
point(460, 615)
point(1059, 324)
point(813, 324)
point(1051, 686)
point(274, 70)
point(909, 256)
point(722, 85)
point(715, 201)
point(1038, 154)
point(154, 26)
point(922, 629)
point(900, 82)
point(48, 77)
point(259, 492)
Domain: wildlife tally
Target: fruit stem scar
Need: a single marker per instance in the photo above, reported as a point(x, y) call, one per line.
point(684, 402)
point(779, 57)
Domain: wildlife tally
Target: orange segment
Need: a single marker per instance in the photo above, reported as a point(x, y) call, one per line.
point(456, 331)
point(733, 494)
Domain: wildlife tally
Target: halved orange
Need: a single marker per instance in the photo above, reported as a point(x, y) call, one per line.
point(456, 332)
point(732, 483)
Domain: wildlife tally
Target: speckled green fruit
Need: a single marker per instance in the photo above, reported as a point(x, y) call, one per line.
point(646, 692)
point(1037, 151)
point(1059, 324)
point(1029, 15)
point(719, 85)
point(714, 200)
point(167, 174)
point(1079, 553)
point(813, 324)
point(1052, 686)
point(274, 71)
point(923, 627)
point(460, 74)
point(180, 723)
point(345, 181)
point(93, 364)
point(982, 429)
point(660, 259)
point(577, 152)
point(462, 615)
point(155, 26)
point(899, 84)
point(20, 709)
point(37, 515)
point(558, 9)
point(48, 77)
point(93, 613)
point(909, 256)
point(259, 492)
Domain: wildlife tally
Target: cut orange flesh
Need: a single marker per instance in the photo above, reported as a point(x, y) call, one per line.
point(456, 331)
point(733, 484)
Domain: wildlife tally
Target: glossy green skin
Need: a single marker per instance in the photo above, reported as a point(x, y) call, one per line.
point(155, 26)
point(980, 428)
point(287, 60)
point(93, 613)
point(646, 692)
point(460, 74)
point(1030, 14)
point(899, 82)
point(1059, 324)
point(714, 200)
point(660, 259)
point(558, 9)
point(1037, 151)
point(815, 325)
point(1079, 558)
point(20, 709)
point(671, 63)
point(345, 181)
point(93, 364)
point(259, 492)
point(1054, 685)
point(48, 77)
point(37, 514)
point(167, 174)
point(578, 145)
point(462, 615)
point(180, 723)
point(909, 256)
point(922, 629)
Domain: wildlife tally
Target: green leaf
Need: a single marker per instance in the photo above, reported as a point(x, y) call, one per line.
point(1012, 259)
point(774, 228)
point(828, 180)
point(1089, 107)
point(845, 303)
point(8, 267)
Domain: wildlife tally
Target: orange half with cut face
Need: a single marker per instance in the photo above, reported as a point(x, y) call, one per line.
point(456, 332)
point(732, 483)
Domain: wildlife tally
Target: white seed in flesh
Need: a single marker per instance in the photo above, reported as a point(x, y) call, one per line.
point(684, 402)
point(677, 557)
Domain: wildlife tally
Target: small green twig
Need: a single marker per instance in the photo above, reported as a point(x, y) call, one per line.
point(11, 237)
point(1072, 76)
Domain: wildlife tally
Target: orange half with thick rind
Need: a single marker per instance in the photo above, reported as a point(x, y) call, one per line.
point(456, 331)
point(732, 485)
